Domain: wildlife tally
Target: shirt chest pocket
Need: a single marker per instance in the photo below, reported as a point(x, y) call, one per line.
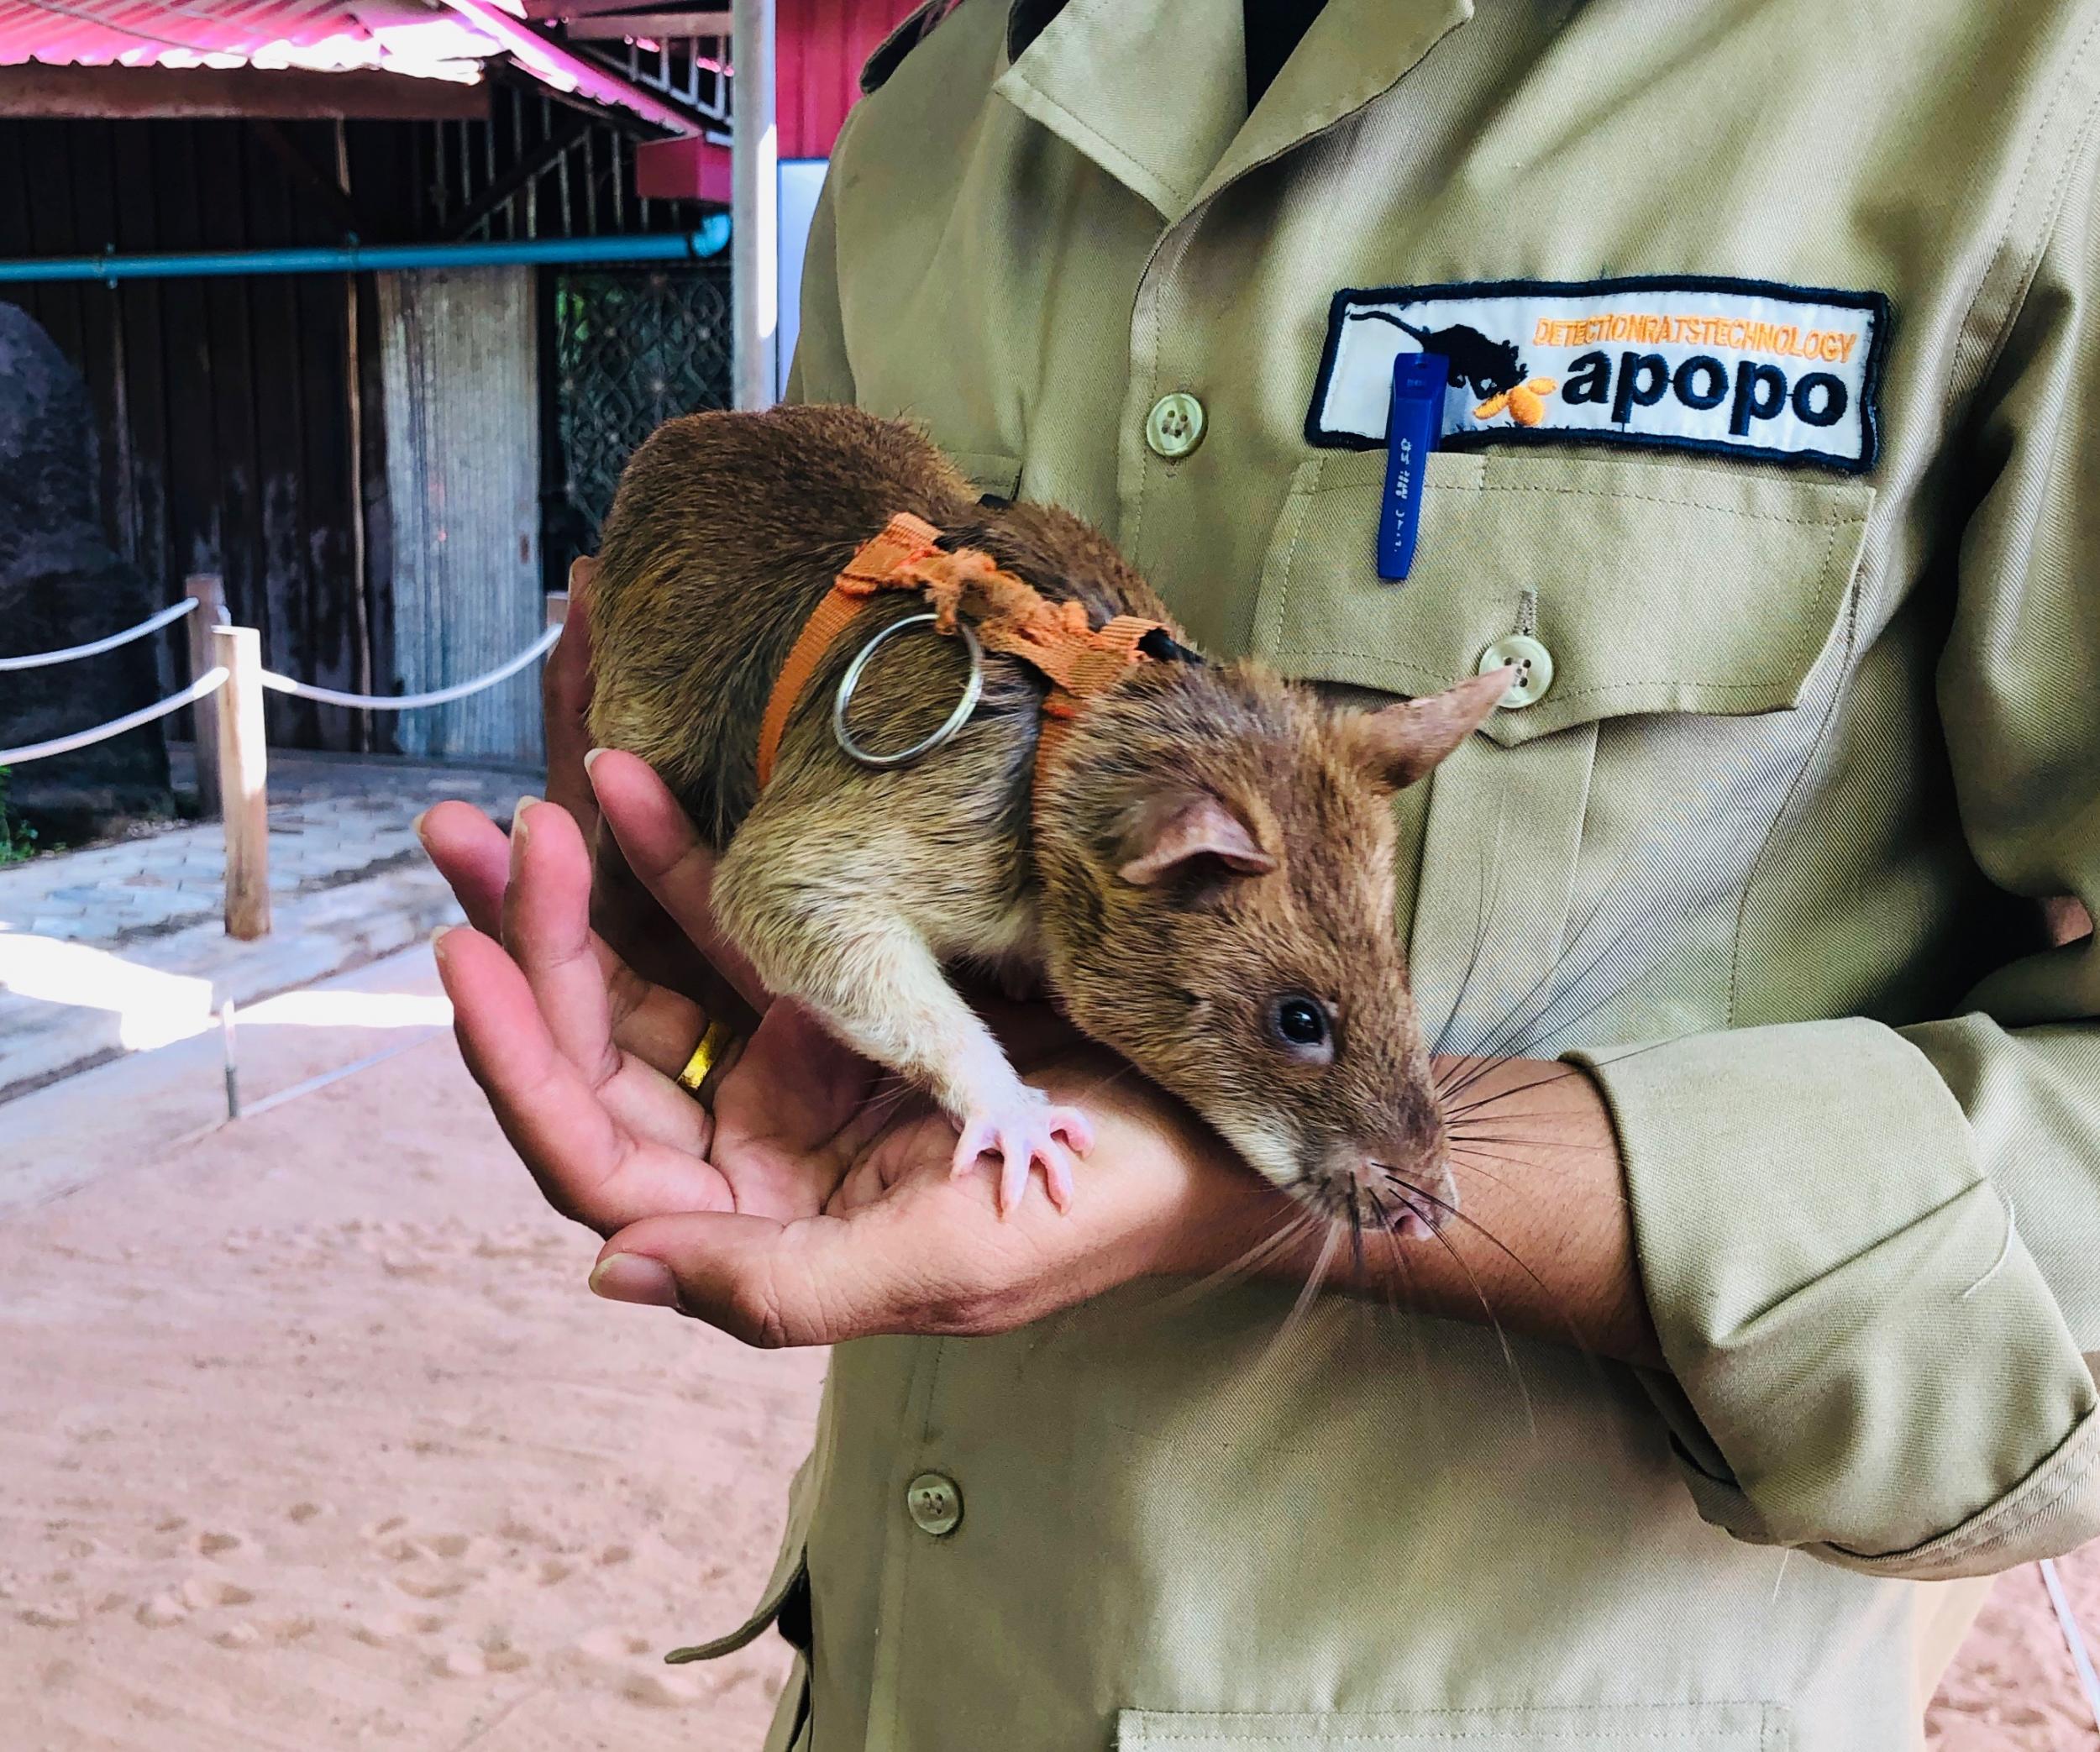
point(1583, 859)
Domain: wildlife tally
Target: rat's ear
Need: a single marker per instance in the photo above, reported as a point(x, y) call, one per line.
point(1401, 742)
point(1189, 835)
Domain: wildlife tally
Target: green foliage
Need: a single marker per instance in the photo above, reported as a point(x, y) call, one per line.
point(18, 839)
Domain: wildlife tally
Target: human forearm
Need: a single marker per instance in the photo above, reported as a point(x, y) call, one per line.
point(1541, 1243)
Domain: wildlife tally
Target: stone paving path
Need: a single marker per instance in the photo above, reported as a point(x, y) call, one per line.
point(120, 946)
point(332, 819)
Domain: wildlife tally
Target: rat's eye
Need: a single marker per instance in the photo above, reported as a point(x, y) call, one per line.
point(1300, 1024)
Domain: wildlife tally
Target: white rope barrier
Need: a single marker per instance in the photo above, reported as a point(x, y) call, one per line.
point(209, 682)
point(2067, 1621)
point(152, 623)
point(407, 702)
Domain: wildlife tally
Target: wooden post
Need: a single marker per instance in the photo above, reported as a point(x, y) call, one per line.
point(754, 223)
point(210, 591)
point(242, 778)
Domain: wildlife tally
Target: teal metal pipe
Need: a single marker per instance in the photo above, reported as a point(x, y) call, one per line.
point(709, 240)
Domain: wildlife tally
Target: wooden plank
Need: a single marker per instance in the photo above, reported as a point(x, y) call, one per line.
point(564, 10)
point(321, 188)
point(101, 360)
point(277, 391)
point(529, 167)
point(47, 179)
point(145, 365)
point(653, 24)
point(244, 781)
point(328, 610)
point(236, 492)
point(202, 620)
point(461, 396)
point(135, 93)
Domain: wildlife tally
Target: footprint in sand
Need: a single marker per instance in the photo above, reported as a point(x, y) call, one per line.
point(201, 1591)
point(218, 1545)
point(238, 1636)
point(662, 1690)
point(615, 1554)
point(442, 1587)
point(466, 1663)
point(161, 1611)
point(611, 1645)
point(553, 1569)
point(392, 1629)
point(392, 1524)
point(302, 1513)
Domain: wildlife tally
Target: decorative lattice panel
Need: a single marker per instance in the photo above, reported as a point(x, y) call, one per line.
point(632, 349)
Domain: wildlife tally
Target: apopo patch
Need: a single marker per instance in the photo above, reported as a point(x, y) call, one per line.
point(1788, 374)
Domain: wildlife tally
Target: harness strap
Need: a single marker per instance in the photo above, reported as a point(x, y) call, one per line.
point(1010, 615)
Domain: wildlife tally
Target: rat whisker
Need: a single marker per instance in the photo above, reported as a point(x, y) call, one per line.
point(1540, 1143)
point(1501, 1338)
point(1314, 1279)
point(1288, 1235)
point(1560, 1074)
point(1491, 864)
point(1453, 1213)
point(1496, 1045)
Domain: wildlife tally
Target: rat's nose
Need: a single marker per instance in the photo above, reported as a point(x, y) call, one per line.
point(1418, 1191)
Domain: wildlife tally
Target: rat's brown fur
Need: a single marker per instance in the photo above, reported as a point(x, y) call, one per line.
point(850, 887)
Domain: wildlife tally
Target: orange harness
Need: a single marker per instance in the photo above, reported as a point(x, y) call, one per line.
point(1009, 615)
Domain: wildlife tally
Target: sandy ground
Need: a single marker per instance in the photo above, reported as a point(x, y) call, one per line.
point(312, 1439)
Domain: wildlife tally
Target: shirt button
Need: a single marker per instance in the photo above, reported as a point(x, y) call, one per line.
point(934, 1503)
point(1175, 427)
point(1534, 665)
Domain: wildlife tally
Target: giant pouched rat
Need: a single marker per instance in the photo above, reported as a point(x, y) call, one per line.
point(1207, 887)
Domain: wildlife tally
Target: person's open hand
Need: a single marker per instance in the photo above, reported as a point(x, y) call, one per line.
point(813, 1202)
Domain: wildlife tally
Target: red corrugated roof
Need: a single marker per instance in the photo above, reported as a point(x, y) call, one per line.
point(417, 37)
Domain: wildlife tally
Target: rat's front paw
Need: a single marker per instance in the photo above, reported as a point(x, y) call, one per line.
point(1022, 1132)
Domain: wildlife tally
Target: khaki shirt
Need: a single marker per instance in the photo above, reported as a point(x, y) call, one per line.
point(1821, 728)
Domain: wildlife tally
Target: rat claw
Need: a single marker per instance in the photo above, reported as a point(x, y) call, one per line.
point(1035, 1133)
point(1016, 1161)
point(1073, 1127)
point(1057, 1176)
point(975, 1140)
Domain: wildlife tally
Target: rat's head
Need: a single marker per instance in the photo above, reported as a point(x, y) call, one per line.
point(1217, 859)
point(1500, 369)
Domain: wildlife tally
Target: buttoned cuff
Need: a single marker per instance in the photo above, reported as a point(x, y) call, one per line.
point(1872, 1364)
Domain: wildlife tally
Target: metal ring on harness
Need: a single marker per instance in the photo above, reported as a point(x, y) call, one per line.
point(972, 691)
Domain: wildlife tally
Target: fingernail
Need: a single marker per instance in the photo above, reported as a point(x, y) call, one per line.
point(416, 825)
point(437, 940)
point(591, 757)
point(631, 1277)
point(517, 818)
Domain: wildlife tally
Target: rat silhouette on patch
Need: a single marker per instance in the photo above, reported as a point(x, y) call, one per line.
point(1491, 367)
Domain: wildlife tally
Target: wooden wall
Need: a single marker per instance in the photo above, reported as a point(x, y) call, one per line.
point(223, 404)
point(230, 438)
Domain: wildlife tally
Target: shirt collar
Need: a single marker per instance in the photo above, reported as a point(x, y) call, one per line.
point(1154, 91)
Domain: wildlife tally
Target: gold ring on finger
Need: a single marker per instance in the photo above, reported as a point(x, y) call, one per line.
point(714, 1040)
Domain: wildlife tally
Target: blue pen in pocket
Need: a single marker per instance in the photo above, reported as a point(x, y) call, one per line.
point(1411, 431)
